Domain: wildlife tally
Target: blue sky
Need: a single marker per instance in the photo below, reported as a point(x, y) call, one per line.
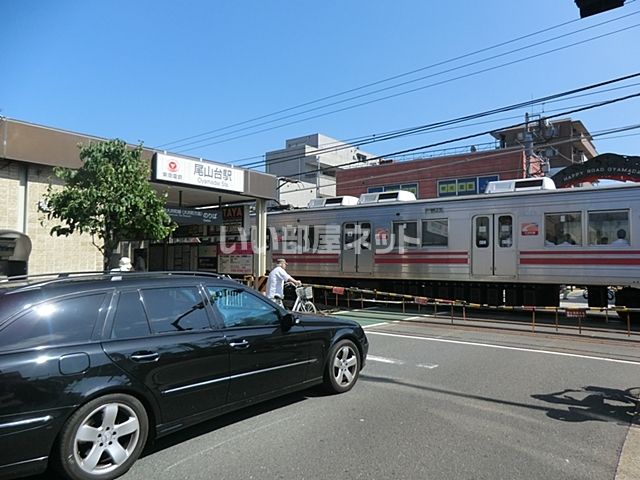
point(158, 71)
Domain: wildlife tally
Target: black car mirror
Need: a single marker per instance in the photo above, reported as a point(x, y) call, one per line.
point(288, 320)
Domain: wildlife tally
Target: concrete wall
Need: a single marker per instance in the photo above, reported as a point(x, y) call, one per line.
point(48, 254)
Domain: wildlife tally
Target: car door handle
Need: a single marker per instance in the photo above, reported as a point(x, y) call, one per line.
point(240, 345)
point(145, 357)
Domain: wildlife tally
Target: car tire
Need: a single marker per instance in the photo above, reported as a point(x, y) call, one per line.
point(342, 368)
point(103, 438)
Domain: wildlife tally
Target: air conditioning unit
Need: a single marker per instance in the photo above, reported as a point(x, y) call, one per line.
point(380, 197)
point(332, 202)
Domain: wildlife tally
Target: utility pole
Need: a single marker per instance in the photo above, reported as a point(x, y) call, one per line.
point(527, 140)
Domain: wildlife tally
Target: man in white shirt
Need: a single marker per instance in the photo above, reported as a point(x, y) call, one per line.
point(622, 238)
point(275, 282)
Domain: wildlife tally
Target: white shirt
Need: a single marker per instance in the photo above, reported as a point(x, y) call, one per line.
point(275, 283)
point(620, 242)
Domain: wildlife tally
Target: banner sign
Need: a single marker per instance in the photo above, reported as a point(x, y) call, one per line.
point(189, 216)
point(606, 166)
point(168, 168)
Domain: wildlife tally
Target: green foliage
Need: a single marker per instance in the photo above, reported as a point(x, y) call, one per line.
point(109, 197)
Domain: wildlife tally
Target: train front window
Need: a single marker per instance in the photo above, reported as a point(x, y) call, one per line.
point(609, 228)
point(563, 229)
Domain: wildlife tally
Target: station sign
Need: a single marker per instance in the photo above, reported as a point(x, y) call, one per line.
point(172, 169)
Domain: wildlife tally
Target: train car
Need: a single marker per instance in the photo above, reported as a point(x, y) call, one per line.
point(515, 246)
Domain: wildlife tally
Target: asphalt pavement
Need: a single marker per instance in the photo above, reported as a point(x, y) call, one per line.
point(460, 405)
point(432, 403)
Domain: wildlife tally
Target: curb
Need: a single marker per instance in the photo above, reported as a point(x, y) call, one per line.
point(629, 461)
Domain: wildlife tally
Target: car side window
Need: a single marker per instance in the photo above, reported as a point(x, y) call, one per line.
point(239, 308)
point(130, 319)
point(69, 320)
point(175, 309)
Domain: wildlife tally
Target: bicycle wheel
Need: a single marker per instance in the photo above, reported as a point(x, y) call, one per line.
point(308, 307)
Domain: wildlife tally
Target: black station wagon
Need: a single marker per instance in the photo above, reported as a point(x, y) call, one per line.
point(92, 365)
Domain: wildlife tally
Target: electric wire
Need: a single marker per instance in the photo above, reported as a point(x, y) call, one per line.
point(436, 125)
point(181, 148)
point(460, 57)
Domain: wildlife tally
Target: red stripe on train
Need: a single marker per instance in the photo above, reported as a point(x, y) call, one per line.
point(439, 260)
point(571, 251)
point(580, 261)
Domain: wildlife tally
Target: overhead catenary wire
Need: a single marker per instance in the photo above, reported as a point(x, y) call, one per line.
point(438, 125)
point(474, 135)
point(388, 79)
point(180, 148)
point(467, 160)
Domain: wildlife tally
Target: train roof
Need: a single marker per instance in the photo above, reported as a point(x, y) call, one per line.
point(481, 196)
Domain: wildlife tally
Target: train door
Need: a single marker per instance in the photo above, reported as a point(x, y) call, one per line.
point(357, 250)
point(493, 252)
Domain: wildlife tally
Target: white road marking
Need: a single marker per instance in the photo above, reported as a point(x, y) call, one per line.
point(375, 325)
point(430, 366)
point(503, 347)
point(393, 361)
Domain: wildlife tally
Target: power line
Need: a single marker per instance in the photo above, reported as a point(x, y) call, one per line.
point(349, 143)
point(487, 132)
point(350, 107)
point(454, 163)
point(379, 82)
point(435, 125)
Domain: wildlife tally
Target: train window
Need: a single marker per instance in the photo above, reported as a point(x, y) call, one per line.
point(435, 233)
point(564, 229)
point(348, 236)
point(365, 232)
point(405, 234)
point(482, 232)
point(505, 231)
point(609, 228)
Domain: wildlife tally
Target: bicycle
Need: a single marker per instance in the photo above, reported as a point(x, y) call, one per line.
point(611, 293)
point(304, 300)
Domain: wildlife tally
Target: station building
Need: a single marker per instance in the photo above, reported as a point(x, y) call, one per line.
point(209, 201)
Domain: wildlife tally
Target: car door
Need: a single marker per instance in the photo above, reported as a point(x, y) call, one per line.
point(265, 356)
point(163, 337)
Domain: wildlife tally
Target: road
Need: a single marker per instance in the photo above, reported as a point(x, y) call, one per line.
point(432, 403)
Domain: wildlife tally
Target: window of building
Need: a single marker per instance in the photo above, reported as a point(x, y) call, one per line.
point(435, 233)
point(409, 187)
point(609, 228)
point(564, 229)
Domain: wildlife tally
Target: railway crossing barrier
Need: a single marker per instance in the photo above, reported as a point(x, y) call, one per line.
point(359, 297)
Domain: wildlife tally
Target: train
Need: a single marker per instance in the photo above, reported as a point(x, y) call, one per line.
point(517, 244)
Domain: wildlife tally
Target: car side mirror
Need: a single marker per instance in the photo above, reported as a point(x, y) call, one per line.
point(288, 320)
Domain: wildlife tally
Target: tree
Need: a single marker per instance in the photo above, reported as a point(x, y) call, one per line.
point(109, 197)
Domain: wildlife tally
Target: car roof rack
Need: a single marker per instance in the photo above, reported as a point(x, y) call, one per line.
point(47, 278)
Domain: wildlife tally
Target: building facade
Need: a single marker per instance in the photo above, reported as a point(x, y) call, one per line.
point(308, 166)
point(534, 149)
point(201, 204)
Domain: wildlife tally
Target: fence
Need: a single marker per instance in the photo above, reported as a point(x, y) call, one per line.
point(352, 297)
